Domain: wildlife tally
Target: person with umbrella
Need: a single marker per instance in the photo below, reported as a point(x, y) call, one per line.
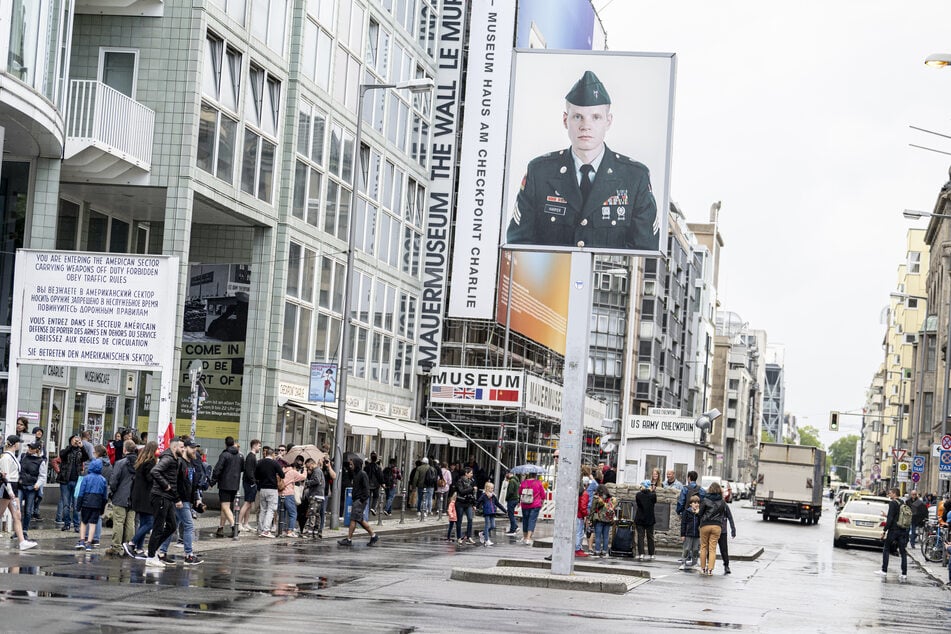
point(532, 496)
point(361, 494)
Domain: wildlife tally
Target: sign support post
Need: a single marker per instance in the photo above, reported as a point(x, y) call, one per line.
point(572, 421)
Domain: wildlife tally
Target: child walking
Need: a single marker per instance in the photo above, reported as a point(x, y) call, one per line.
point(488, 503)
point(451, 514)
point(92, 503)
point(690, 533)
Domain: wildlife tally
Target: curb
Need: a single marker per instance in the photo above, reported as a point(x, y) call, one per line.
point(535, 578)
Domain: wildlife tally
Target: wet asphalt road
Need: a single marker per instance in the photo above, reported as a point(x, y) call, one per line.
point(799, 584)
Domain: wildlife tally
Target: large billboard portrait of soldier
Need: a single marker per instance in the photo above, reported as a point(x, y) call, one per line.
point(589, 152)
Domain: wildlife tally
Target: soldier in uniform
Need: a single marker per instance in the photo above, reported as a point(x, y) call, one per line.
point(586, 195)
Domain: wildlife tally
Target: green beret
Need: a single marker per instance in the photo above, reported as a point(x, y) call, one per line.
point(588, 91)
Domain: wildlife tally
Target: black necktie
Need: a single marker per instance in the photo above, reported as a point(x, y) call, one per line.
point(586, 184)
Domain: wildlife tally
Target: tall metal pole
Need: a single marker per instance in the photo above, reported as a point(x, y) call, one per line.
point(947, 376)
point(920, 373)
point(343, 373)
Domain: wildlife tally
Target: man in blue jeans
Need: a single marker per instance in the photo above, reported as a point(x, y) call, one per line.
point(71, 467)
point(188, 481)
point(511, 502)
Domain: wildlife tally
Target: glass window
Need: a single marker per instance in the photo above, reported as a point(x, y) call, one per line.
point(67, 225)
point(117, 70)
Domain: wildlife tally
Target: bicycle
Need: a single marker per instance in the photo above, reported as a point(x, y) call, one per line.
point(933, 547)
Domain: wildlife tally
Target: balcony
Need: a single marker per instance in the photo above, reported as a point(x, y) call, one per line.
point(144, 8)
point(108, 135)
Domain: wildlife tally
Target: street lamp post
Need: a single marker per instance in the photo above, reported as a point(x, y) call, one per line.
point(343, 374)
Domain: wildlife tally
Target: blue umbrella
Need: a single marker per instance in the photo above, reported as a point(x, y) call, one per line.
point(528, 468)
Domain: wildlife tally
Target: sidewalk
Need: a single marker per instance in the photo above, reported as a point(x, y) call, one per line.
point(53, 538)
point(934, 570)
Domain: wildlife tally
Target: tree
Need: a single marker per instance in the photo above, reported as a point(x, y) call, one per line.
point(809, 437)
point(842, 452)
point(765, 436)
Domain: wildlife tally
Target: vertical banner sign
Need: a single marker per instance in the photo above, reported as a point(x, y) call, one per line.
point(482, 161)
point(442, 161)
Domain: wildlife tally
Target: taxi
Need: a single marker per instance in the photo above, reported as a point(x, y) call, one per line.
point(861, 520)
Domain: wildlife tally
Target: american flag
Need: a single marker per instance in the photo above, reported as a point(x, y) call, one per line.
point(467, 393)
point(442, 391)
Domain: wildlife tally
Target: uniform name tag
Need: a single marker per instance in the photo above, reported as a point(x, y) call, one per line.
point(556, 199)
point(558, 210)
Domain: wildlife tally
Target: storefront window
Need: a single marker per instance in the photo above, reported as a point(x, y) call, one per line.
point(79, 413)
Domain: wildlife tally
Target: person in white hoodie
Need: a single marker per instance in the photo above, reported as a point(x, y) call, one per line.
point(9, 482)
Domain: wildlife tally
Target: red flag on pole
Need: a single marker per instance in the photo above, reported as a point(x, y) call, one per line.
point(167, 437)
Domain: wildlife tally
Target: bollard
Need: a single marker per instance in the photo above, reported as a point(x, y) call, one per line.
point(403, 507)
point(379, 507)
point(281, 516)
point(236, 507)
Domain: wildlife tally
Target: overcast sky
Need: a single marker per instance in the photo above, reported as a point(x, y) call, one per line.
point(797, 117)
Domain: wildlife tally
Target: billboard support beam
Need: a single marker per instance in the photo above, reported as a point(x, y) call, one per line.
point(571, 436)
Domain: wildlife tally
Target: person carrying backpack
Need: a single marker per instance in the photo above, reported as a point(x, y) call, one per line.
point(603, 511)
point(424, 479)
point(895, 532)
point(689, 491)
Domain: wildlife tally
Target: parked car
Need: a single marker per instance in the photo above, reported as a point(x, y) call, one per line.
point(861, 520)
point(741, 490)
point(727, 491)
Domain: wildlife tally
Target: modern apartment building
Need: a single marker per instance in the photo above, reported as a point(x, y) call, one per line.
point(223, 132)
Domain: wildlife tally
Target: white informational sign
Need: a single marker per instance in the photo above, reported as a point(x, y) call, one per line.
point(673, 427)
point(545, 397)
point(482, 163)
point(439, 217)
point(96, 309)
point(477, 386)
point(98, 380)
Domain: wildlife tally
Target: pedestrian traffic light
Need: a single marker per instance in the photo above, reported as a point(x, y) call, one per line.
point(833, 421)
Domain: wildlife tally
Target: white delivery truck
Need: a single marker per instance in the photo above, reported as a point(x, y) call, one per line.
point(789, 482)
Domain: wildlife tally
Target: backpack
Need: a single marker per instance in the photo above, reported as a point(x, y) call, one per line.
point(429, 479)
point(904, 516)
point(609, 515)
point(527, 496)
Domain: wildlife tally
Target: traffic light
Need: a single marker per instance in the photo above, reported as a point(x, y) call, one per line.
point(833, 421)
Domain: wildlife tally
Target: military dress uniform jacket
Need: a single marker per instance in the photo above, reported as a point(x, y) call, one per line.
point(619, 214)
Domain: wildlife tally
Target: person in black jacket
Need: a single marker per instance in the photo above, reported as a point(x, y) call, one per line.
point(250, 485)
point(361, 494)
point(644, 520)
point(32, 479)
point(227, 477)
point(120, 488)
point(187, 482)
point(722, 542)
point(71, 467)
point(711, 521)
point(140, 498)
point(894, 535)
point(165, 499)
point(919, 515)
point(375, 477)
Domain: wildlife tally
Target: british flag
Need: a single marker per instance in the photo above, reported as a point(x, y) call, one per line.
point(467, 393)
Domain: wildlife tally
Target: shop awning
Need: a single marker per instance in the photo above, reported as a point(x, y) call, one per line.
point(363, 424)
point(433, 435)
